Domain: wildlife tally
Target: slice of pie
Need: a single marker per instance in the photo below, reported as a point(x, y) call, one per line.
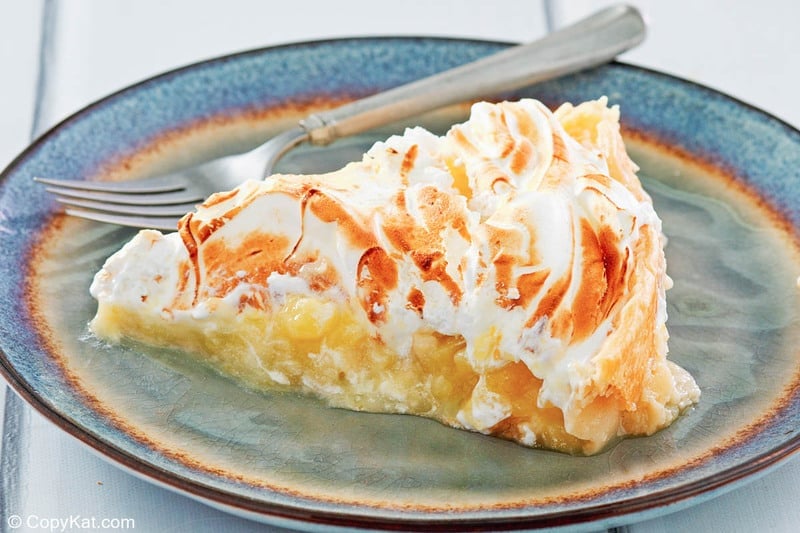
point(506, 278)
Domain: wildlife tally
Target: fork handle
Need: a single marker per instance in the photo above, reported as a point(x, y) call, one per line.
point(592, 41)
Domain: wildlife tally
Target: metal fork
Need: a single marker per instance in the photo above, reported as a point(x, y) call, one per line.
point(160, 201)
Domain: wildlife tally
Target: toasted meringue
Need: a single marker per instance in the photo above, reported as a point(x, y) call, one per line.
point(506, 278)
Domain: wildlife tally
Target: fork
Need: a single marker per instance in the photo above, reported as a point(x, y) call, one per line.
point(160, 201)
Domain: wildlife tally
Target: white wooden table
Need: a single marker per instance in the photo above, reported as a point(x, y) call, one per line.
point(57, 56)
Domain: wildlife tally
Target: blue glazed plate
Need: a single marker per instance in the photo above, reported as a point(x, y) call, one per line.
point(723, 177)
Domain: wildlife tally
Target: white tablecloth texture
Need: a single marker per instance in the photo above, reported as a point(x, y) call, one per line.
point(57, 56)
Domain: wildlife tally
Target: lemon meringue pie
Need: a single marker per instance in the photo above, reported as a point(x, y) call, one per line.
point(507, 278)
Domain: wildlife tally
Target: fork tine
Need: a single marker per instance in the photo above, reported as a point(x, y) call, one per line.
point(159, 223)
point(181, 196)
point(174, 210)
point(151, 185)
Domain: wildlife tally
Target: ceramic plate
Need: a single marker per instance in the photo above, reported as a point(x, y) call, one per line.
point(723, 177)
